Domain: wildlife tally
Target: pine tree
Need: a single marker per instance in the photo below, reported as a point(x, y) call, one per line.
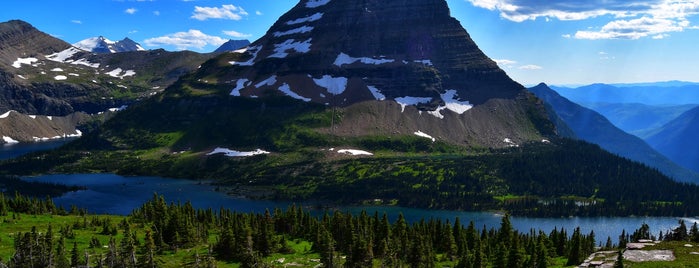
point(75, 255)
point(619, 260)
point(574, 253)
point(61, 257)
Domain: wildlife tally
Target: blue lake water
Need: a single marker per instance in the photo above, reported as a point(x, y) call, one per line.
point(8, 151)
point(108, 193)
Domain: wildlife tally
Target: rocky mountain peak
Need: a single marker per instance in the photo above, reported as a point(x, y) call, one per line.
point(343, 52)
point(232, 45)
point(19, 39)
point(103, 45)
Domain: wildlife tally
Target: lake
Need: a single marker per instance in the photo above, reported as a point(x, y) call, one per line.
point(113, 194)
point(8, 151)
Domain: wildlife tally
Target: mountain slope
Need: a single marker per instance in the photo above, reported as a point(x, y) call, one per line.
point(103, 45)
point(413, 63)
point(592, 127)
point(232, 45)
point(639, 119)
point(42, 75)
point(677, 140)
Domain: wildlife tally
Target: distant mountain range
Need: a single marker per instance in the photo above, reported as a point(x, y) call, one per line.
point(104, 45)
point(592, 127)
point(678, 139)
point(656, 94)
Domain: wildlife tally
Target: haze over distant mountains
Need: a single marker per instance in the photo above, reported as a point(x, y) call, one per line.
point(592, 127)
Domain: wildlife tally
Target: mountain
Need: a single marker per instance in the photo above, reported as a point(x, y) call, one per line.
point(104, 45)
point(43, 75)
point(677, 139)
point(639, 119)
point(592, 127)
point(356, 102)
point(232, 45)
point(656, 94)
point(394, 67)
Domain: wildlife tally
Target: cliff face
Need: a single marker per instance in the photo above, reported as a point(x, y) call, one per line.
point(411, 53)
point(398, 48)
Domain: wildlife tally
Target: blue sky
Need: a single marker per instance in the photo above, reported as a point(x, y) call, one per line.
point(558, 42)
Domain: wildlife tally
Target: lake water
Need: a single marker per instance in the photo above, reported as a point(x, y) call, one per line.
point(8, 151)
point(113, 194)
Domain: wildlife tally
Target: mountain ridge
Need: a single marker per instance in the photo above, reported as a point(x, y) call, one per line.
point(676, 139)
point(592, 127)
point(102, 45)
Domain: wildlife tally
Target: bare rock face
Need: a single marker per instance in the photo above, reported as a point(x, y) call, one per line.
point(341, 52)
point(411, 53)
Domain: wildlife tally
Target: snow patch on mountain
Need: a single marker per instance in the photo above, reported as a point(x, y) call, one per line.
point(60, 77)
point(9, 140)
point(86, 63)
point(334, 85)
point(267, 82)
point(424, 135)
point(407, 100)
point(287, 90)
point(280, 50)
point(254, 50)
point(28, 61)
point(302, 29)
point(57, 70)
point(316, 3)
point(377, 93)
point(310, 18)
point(354, 152)
point(117, 73)
point(343, 59)
point(239, 86)
point(64, 55)
point(104, 45)
point(234, 153)
point(5, 115)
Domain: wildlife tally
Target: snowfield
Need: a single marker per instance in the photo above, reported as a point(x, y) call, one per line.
point(302, 29)
point(234, 153)
point(310, 18)
point(267, 82)
point(60, 77)
point(343, 59)
point(5, 115)
point(424, 135)
point(316, 3)
point(280, 50)
point(287, 90)
point(251, 61)
point(9, 140)
point(239, 86)
point(407, 100)
point(28, 61)
point(377, 93)
point(354, 152)
point(117, 73)
point(334, 85)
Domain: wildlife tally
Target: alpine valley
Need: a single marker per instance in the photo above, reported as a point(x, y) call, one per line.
point(341, 102)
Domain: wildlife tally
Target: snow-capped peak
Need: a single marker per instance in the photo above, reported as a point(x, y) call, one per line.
point(103, 45)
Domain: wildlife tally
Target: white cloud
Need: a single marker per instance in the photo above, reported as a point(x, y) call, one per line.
point(633, 29)
point(505, 63)
point(530, 67)
point(186, 40)
point(131, 11)
point(76, 21)
point(627, 19)
point(229, 12)
point(258, 13)
point(157, 13)
point(237, 34)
